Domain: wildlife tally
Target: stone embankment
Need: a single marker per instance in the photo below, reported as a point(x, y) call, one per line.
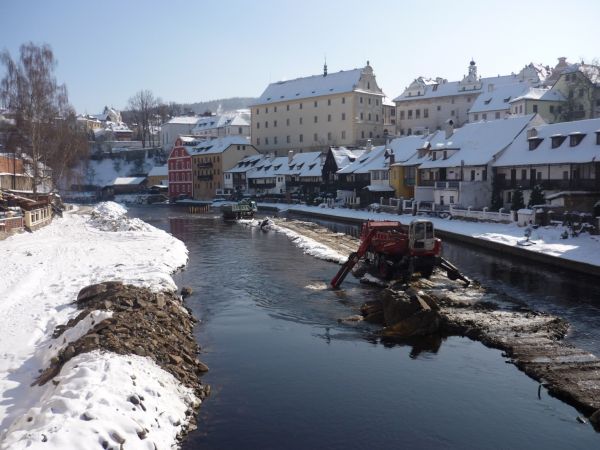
point(531, 340)
point(145, 323)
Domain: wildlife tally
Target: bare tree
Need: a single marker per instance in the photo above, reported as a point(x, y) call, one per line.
point(40, 106)
point(143, 106)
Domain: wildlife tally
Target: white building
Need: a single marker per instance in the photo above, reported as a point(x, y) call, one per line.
point(177, 126)
point(428, 103)
point(459, 170)
point(236, 123)
point(564, 158)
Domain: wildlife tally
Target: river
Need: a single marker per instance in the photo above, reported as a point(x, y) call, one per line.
point(286, 374)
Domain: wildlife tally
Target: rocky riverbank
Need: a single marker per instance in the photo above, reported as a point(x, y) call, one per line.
point(531, 340)
point(150, 324)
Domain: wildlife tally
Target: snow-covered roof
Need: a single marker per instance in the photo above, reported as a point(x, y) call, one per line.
point(587, 150)
point(405, 147)
point(476, 144)
point(442, 88)
point(344, 156)
point(219, 145)
point(540, 94)
point(498, 99)
point(385, 101)
point(184, 120)
point(159, 171)
point(307, 164)
point(592, 72)
point(222, 120)
point(246, 164)
point(379, 188)
point(373, 160)
point(312, 86)
point(121, 181)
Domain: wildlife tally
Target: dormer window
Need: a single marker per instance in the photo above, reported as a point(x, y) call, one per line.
point(557, 140)
point(534, 142)
point(575, 138)
point(598, 137)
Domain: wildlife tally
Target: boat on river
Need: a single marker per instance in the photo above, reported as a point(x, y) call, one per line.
point(243, 209)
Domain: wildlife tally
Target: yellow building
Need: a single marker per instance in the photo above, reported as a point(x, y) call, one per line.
point(313, 113)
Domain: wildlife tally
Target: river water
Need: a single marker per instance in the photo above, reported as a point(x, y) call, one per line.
point(286, 374)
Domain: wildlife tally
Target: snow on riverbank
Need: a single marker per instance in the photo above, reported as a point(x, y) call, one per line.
point(583, 248)
point(86, 405)
point(308, 245)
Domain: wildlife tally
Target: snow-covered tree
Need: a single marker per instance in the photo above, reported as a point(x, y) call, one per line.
point(517, 200)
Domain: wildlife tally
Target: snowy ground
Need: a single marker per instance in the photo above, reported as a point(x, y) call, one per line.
point(87, 405)
point(583, 248)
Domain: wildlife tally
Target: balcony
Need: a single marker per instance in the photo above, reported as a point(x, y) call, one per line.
point(447, 185)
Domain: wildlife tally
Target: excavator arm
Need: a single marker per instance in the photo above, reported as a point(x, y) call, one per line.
point(352, 260)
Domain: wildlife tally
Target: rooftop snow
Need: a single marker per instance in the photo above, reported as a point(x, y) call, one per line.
point(477, 143)
point(120, 181)
point(159, 171)
point(214, 146)
point(312, 86)
point(184, 120)
point(586, 151)
point(498, 99)
point(540, 94)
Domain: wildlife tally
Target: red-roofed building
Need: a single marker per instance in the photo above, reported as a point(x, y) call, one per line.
point(180, 168)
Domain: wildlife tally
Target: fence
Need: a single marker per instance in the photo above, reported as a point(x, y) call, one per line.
point(485, 214)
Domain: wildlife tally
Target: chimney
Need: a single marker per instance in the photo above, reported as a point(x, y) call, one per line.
point(290, 156)
point(449, 128)
point(392, 157)
point(369, 146)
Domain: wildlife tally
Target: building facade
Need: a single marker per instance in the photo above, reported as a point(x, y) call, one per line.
point(177, 126)
point(179, 166)
point(316, 112)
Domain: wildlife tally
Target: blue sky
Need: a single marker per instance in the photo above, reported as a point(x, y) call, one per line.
point(188, 51)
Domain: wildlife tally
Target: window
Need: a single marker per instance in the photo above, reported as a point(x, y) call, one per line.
point(551, 109)
point(287, 107)
point(239, 130)
point(497, 115)
point(275, 140)
point(376, 117)
point(539, 175)
point(287, 122)
point(575, 139)
point(266, 124)
point(570, 93)
point(343, 100)
point(597, 137)
point(361, 116)
point(369, 116)
point(287, 139)
point(370, 134)
point(301, 138)
point(534, 108)
point(376, 102)
point(452, 199)
point(266, 141)
point(409, 114)
point(452, 114)
point(328, 117)
point(343, 134)
point(300, 121)
point(557, 140)
point(257, 111)
point(266, 110)
point(369, 100)
point(534, 143)
point(362, 134)
point(523, 174)
point(581, 92)
point(274, 108)
point(476, 116)
point(257, 141)
point(300, 106)
point(417, 113)
point(401, 115)
point(328, 102)
point(275, 123)
point(425, 113)
point(257, 125)
point(316, 104)
point(439, 108)
point(361, 99)
point(315, 137)
point(316, 119)
point(329, 135)
point(343, 116)
point(472, 175)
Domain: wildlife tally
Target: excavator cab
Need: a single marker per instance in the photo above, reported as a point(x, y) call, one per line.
point(421, 235)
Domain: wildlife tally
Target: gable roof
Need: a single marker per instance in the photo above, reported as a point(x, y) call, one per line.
point(344, 156)
point(477, 143)
point(219, 145)
point(159, 171)
point(123, 181)
point(498, 99)
point(540, 94)
point(183, 120)
point(587, 150)
point(373, 160)
point(312, 86)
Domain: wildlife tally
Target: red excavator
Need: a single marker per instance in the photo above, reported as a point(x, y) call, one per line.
point(391, 250)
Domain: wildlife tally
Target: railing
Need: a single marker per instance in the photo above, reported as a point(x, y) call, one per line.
point(37, 218)
point(485, 214)
point(447, 185)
